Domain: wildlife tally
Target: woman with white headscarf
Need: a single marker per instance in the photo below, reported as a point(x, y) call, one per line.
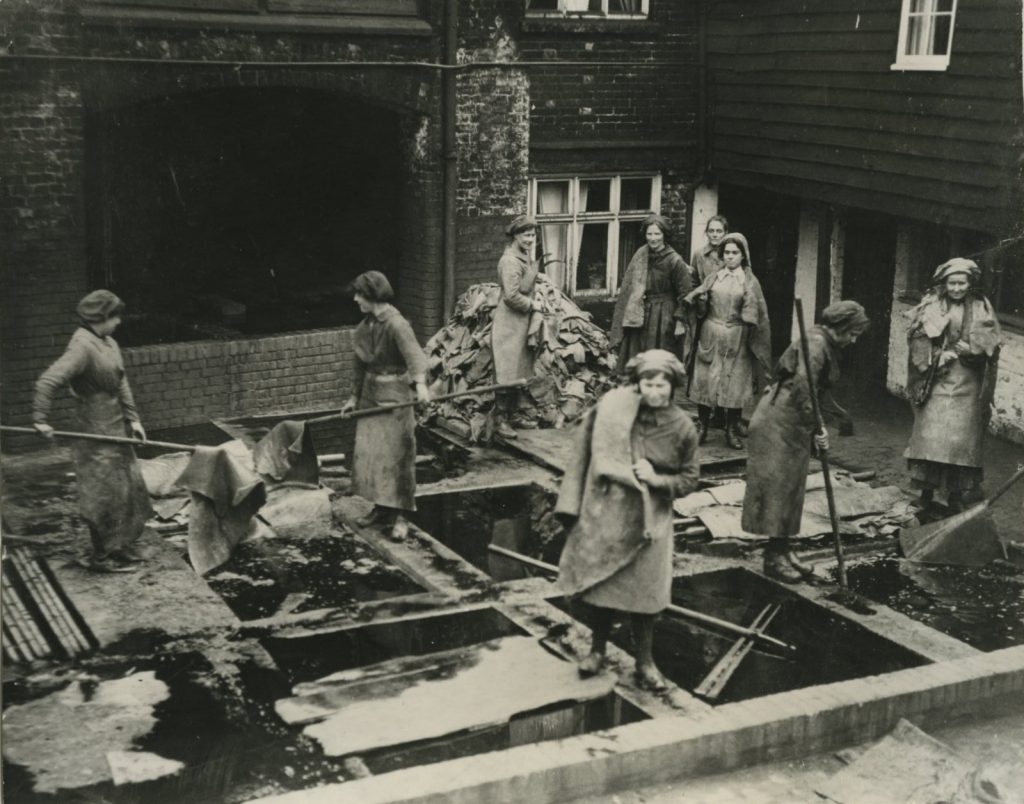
point(954, 340)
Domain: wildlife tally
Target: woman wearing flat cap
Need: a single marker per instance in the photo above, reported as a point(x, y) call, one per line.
point(649, 308)
point(732, 352)
point(954, 340)
point(387, 363)
point(517, 273)
point(782, 434)
point(633, 454)
point(112, 496)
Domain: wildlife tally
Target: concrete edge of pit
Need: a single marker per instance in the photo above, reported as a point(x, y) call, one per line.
point(775, 727)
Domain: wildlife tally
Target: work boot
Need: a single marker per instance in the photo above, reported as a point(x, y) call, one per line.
point(703, 423)
point(732, 438)
point(591, 665)
point(107, 564)
point(777, 564)
point(504, 430)
point(380, 515)
point(647, 675)
point(400, 529)
point(130, 555)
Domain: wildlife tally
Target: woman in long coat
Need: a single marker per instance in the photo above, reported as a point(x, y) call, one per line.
point(112, 496)
point(782, 430)
point(387, 362)
point(706, 260)
point(733, 350)
point(954, 353)
point(634, 453)
point(517, 273)
point(649, 311)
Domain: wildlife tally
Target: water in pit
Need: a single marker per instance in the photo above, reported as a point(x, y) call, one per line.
point(828, 648)
point(982, 606)
point(518, 518)
point(223, 730)
point(263, 575)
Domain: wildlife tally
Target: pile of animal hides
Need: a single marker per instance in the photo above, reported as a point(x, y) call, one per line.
point(572, 362)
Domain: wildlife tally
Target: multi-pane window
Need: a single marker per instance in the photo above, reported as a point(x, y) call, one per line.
point(602, 8)
point(590, 227)
point(926, 35)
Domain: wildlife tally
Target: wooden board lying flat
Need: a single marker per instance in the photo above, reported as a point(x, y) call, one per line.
point(429, 697)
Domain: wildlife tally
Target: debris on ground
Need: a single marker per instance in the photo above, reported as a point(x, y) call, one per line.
point(573, 364)
point(862, 509)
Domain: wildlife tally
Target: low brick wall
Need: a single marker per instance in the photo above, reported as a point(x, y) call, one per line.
point(186, 383)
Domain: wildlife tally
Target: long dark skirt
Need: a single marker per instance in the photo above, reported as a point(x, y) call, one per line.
point(384, 467)
point(112, 496)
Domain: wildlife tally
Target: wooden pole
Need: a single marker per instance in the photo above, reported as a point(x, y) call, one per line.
point(106, 439)
point(687, 614)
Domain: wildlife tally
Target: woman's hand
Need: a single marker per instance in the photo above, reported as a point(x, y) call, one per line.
point(138, 430)
point(44, 430)
point(537, 306)
point(946, 357)
point(961, 348)
point(349, 405)
point(821, 441)
point(422, 393)
point(680, 328)
point(645, 472)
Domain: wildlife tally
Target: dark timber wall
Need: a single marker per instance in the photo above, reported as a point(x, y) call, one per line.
point(805, 103)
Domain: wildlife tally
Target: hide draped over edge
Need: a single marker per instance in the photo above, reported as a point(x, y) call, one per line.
point(649, 303)
point(781, 436)
point(606, 557)
point(387, 358)
point(516, 276)
point(112, 496)
point(950, 425)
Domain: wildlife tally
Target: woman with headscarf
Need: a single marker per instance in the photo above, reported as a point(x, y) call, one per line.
point(733, 349)
point(112, 496)
point(517, 273)
point(782, 433)
point(954, 340)
point(387, 362)
point(706, 260)
point(648, 311)
point(634, 453)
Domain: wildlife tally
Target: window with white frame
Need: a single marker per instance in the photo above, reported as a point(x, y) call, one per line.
point(590, 226)
point(598, 8)
point(926, 35)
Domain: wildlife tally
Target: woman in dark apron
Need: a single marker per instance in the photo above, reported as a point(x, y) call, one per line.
point(112, 497)
point(954, 340)
point(387, 363)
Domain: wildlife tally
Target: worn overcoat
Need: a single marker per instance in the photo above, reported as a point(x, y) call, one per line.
point(706, 262)
point(608, 559)
point(781, 438)
point(649, 304)
point(112, 496)
point(516, 276)
point(953, 400)
point(387, 359)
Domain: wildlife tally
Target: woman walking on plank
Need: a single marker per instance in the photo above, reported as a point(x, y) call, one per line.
point(387, 362)
point(634, 453)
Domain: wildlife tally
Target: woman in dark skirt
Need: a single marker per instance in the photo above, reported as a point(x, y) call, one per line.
point(634, 453)
point(954, 355)
point(648, 311)
point(782, 433)
point(112, 496)
point(387, 363)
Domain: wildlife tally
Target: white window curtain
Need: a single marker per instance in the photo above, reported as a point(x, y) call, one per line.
point(921, 29)
point(551, 197)
point(584, 191)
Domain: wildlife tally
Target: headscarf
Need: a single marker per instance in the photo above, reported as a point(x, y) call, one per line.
point(98, 306)
point(520, 223)
point(374, 286)
point(957, 265)
point(844, 316)
point(660, 360)
point(739, 240)
point(657, 220)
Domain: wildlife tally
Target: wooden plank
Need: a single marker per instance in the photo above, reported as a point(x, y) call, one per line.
point(493, 682)
point(376, 8)
point(251, 6)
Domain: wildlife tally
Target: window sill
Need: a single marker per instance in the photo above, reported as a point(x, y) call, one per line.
point(584, 25)
point(936, 66)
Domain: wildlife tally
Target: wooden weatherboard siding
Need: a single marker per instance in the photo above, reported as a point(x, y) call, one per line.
point(805, 103)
